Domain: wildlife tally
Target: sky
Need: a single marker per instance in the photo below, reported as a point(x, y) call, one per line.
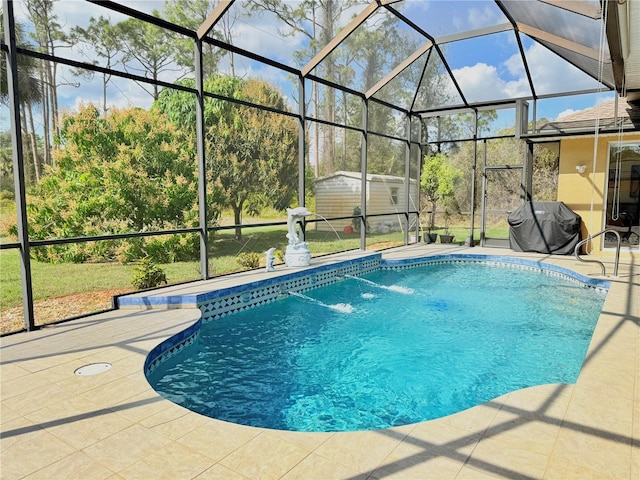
point(485, 68)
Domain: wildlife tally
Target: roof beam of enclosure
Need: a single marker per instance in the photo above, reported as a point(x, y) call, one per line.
point(480, 32)
point(344, 33)
point(396, 71)
point(615, 45)
point(523, 57)
point(525, 63)
point(581, 8)
point(213, 18)
point(131, 12)
point(591, 53)
point(561, 42)
point(435, 46)
point(422, 75)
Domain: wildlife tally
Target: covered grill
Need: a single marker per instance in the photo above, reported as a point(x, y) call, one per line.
point(544, 227)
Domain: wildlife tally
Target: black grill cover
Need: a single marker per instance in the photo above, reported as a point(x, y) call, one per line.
point(544, 227)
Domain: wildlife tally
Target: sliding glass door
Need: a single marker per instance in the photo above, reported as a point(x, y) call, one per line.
point(623, 194)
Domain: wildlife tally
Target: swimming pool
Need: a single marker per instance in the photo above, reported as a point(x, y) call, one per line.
point(401, 344)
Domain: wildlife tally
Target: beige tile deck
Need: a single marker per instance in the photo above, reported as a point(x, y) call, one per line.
point(57, 425)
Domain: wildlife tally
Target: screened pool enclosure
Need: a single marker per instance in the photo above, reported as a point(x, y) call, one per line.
point(177, 132)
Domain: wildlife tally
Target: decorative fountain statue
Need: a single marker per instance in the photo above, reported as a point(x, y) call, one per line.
point(297, 253)
point(270, 258)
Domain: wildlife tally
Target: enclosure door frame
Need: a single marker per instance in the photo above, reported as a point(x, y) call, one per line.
point(623, 191)
point(486, 241)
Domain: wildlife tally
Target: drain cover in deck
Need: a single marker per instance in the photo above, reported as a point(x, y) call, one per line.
point(93, 369)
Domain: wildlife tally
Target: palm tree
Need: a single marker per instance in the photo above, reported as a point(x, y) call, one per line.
point(29, 93)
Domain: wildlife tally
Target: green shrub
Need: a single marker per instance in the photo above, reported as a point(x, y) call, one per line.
point(6, 194)
point(124, 171)
point(147, 275)
point(248, 260)
point(164, 249)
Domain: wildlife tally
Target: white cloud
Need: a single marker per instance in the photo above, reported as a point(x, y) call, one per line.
point(121, 93)
point(465, 16)
point(481, 17)
point(553, 74)
point(550, 74)
point(514, 65)
point(566, 112)
point(263, 40)
point(482, 82)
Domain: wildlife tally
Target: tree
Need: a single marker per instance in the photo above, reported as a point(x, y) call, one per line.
point(148, 51)
point(103, 38)
point(506, 151)
point(252, 153)
point(191, 14)
point(127, 171)
point(437, 181)
point(48, 36)
point(256, 163)
point(318, 20)
point(369, 50)
point(6, 162)
point(30, 94)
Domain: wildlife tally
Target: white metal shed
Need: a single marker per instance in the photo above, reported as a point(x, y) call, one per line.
point(339, 193)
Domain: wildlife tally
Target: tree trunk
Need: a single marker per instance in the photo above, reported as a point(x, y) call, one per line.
point(45, 118)
point(328, 15)
point(105, 80)
point(237, 219)
point(54, 102)
point(28, 172)
point(37, 167)
point(432, 221)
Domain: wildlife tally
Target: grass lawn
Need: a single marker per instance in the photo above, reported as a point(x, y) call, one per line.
point(63, 290)
point(54, 280)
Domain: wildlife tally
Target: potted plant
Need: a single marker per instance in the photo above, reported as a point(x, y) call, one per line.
point(437, 183)
point(429, 236)
point(446, 237)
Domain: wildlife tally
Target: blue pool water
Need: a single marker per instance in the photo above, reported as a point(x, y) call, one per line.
point(399, 348)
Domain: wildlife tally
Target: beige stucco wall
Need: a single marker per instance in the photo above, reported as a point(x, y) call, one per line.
point(577, 190)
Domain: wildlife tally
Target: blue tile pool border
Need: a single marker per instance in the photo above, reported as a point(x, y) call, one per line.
point(226, 301)
point(222, 301)
point(503, 262)
point(172, 346)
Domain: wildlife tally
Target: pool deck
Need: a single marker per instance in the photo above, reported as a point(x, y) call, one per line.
point(58, 425)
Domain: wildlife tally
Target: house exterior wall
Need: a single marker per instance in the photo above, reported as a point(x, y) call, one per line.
point(577, 190)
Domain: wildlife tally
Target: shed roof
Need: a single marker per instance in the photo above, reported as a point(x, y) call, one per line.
point(357, 176)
